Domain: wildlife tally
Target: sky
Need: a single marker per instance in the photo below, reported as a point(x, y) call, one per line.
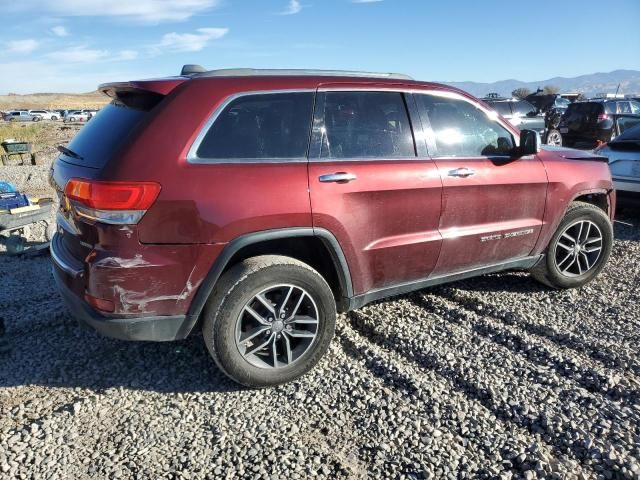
point(74, 45)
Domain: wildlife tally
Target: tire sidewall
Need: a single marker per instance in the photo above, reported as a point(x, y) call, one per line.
point(598, 217)
point(220, 331)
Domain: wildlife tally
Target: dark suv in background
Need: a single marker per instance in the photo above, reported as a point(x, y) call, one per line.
point(597, 121)
point(553, 107)
point(253, 205)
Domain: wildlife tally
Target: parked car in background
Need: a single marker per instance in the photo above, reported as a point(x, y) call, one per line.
point(624, 161)
point(20, 116)
point(519, 113)
point(45, 114)
point(595, 121)
point(76, 116)
point(552, 106)
point(309, 192)
point(91, 112)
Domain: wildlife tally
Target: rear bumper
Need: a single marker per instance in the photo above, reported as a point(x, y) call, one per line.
point(163, 328)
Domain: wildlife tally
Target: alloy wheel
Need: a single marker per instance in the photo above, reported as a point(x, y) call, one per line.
point(578, 248)
point(554, 138)
point(277, 326)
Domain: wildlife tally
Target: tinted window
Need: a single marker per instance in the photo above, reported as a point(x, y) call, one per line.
point(635, 107)
point(585, 108)
point(462, 130)
point(101, 138)
point(261, 126)
point(522, 108)
point(365, 125)
point(503, 108)
point(611, 107)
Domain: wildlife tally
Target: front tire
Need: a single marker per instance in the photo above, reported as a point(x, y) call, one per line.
point(269, 320)
point(554, 137)
point(579, 249)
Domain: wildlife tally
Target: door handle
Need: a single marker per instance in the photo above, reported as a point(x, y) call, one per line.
point(338, 177)
point(461, 172)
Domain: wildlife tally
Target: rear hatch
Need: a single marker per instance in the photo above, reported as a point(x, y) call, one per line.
point(95, 148)
point(581, 119)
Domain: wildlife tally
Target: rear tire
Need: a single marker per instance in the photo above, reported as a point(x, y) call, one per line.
point(579, 249)
point(260, 344)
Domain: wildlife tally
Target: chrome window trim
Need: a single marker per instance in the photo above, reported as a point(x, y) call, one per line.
point(193, 158)
point(192, 155)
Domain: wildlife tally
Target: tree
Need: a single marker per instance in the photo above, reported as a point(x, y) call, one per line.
point(521, 93)
point(550, 90)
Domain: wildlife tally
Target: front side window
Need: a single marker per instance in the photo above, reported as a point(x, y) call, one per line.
point(274, 125)
point(462, 130)
point(635, 107)
point(365, 125)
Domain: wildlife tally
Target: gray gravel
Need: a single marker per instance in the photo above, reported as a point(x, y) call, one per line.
point(495, 377)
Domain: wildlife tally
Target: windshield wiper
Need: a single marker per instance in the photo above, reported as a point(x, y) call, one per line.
point(69, 153)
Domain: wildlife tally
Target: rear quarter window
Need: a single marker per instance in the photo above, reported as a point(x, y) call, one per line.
point(260, 126)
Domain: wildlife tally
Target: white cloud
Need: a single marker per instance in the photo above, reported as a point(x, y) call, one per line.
point(126, 55)
point(83, 54)
point(191, 42)
point(27, 45)
point(292, 8)
point(60, 31)
point(145, 11)
point(78, 54)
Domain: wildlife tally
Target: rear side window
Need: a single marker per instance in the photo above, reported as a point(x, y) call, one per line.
point(365, 125)
point(503, 108)
point(611, 107)
point(103, 136)
point(275, 125)
point(462, 130)
point(522, 108)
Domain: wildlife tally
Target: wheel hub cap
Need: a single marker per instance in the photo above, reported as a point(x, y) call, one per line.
point(277, 326)
point(578, 248)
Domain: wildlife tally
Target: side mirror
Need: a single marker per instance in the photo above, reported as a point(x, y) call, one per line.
point(530, 143)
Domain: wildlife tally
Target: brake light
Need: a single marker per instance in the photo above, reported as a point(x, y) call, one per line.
point(602, 116)
point(111, 202)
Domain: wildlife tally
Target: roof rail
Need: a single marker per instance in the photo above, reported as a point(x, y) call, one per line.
point(198, 71)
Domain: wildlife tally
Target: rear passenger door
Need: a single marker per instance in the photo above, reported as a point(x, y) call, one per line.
point(493, 204)
point(373, 187)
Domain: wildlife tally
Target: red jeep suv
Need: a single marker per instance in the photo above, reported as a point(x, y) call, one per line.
point(255, 204)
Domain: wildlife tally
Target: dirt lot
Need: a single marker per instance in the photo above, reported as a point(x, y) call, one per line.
point(53, 100)
point(495, 377)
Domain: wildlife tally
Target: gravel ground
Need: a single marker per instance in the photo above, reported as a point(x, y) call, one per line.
point(495, 377)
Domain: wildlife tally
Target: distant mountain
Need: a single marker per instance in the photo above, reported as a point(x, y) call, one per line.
point(629, 81)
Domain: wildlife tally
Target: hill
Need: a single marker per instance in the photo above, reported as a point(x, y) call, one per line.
point(591, 84)
point(53, 100)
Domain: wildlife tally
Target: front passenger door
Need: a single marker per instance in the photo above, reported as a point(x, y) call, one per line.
point(493, 205)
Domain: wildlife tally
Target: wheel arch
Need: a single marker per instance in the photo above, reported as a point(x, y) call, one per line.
point(317, 247)
point(600, 198)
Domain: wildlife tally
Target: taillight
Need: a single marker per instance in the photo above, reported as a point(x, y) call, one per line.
point(99, 303)
point(111, 202)
point(602, 116)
